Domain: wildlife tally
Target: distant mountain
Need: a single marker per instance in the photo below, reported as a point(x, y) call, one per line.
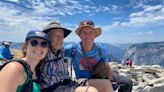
point(116, 52)
point(147, 53)
point(15, 45)
point(123, 46)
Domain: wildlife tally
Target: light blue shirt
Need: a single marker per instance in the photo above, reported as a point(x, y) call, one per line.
point(5, 53)
point(80, 65)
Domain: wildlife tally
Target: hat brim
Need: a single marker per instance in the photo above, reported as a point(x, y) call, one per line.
point(38, 37)
point(97, 30)
point(66, 31)
point(6, 43)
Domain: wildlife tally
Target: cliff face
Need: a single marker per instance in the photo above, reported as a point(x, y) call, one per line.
point(147, 53)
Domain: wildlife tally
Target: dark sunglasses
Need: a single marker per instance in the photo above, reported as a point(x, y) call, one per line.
point(88, 22)
point(42, 43)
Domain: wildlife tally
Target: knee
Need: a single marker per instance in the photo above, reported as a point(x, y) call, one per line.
point(106, 82)
point(91, 89)
point(86, 89)
point(103, 85)
point(107, 86)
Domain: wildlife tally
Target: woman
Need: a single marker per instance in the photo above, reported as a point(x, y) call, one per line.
point(13, 76)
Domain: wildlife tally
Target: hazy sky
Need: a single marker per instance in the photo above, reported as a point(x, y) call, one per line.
point(122, 21)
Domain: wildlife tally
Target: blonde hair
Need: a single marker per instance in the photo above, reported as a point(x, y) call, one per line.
point(24, 48)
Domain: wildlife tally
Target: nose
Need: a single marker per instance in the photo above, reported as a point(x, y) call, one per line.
point(39, 46)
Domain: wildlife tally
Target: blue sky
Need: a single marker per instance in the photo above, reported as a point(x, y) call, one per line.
point(122, 21)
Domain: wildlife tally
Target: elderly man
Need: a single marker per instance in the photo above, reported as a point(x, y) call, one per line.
point(86, 54)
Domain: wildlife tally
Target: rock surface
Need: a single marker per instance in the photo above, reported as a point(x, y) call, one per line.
point(149, 78)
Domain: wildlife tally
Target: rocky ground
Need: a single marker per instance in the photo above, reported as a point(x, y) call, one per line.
point(146, 78)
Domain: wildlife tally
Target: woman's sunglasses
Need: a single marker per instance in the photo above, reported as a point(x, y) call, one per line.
point(42, 43)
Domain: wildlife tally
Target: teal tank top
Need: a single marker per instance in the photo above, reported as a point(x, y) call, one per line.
point(36, 87)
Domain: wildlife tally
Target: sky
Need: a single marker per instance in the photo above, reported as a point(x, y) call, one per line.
point(121, 21)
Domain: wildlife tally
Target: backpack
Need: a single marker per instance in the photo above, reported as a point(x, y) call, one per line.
point(29, 84)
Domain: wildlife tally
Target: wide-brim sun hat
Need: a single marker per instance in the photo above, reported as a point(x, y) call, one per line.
point(37, 34)
point(88, 23)
point(56, 25)
point(7, 42)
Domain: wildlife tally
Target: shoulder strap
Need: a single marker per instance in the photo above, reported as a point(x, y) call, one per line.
point(29, 85)
point(99, 51)
point(73, 52)
point(101, 57)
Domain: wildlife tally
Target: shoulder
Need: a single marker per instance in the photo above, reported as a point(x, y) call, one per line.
point(14, 70)
point(14, 66)
point(99, 46)
point(11, 76)
point(105, 53)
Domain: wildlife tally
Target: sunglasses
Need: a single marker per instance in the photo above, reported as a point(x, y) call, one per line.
point(43, 44)
point(88, 22)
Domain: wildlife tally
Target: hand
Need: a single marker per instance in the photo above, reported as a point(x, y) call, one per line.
point(3, 59)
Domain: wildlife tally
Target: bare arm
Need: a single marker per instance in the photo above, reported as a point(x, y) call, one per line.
point(11, 76)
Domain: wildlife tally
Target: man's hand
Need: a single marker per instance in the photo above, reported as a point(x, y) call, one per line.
point(3, 59)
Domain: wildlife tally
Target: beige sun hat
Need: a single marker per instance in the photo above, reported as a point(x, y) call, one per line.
point(56, 25)
point(88, 23)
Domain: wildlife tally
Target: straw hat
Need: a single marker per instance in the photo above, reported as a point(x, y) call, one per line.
point(55, 25)
point(88, 23)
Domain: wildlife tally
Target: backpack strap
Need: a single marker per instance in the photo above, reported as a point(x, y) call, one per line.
point(99, 51)
point(29, 85)
point(73, 52)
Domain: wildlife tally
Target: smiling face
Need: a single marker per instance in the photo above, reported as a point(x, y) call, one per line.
point(56, 37)
point(87, 35)
point(36, 49)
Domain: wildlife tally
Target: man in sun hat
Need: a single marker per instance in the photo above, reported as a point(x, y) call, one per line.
point(88, 51)
point(89, 24)
point(85, 50)
point(53, 72)
point(56, 25)
point(5, 53)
